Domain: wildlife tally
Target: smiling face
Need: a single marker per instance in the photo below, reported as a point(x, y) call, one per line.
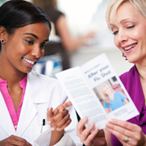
point(129, 31)
point(107, 90)
point(25, 47)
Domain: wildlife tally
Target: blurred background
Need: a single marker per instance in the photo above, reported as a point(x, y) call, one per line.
point(82, 17)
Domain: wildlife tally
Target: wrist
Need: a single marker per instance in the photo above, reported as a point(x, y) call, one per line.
point(56, 136)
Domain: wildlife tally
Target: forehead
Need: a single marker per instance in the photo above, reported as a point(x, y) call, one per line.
point(40, 29)
point(125, 11)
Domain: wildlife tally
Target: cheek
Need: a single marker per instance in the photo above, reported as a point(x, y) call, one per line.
point(42, 53)
point(136, 35)
point(139, 33)
point(116, 42)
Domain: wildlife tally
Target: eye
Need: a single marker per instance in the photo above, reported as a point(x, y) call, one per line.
point(115, 32)
point(43, 46)
point(29, 42)
point(131, 26)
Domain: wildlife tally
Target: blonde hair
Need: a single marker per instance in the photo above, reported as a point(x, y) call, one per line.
point(106, 98)
point(113, 5)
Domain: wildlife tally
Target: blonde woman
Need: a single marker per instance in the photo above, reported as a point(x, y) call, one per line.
point(127, 21)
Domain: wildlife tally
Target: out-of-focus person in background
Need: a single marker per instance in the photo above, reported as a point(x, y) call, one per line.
point(68, 43)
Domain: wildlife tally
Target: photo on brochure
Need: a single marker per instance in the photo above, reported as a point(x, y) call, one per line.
point(111, 95)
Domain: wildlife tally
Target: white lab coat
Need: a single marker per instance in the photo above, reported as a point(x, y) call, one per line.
point(41, 93)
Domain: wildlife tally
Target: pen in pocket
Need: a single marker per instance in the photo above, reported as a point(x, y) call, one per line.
point(43, 123)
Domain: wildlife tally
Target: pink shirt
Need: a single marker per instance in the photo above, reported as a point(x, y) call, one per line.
point(9, 103)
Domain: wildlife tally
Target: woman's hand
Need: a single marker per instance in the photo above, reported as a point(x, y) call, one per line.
point(127, 133)
point(90, 136)
point(14, 140)
point(59, 118)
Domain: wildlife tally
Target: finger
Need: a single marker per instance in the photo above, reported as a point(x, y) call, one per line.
point(123, 124)
point(121, 137)
point(118, 132)
point(62, 123)
point(64, 106)
point(58, 117)
point(91, 136)
point(81, 125)
point(18, 141)
point(121, 133)
point(49, 114)
point(86, 132)
point(119, 129)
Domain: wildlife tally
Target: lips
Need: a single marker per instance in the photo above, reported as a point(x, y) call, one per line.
point(29, 62)
point(129, 47)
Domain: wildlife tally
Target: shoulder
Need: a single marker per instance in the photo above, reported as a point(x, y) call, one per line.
point(119, 94)
point(46, 87)
point(43, 80)
point(54, 14)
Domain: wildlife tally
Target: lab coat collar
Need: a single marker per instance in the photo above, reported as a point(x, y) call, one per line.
point(34, 84)
point(33, 95)
point(5, 119)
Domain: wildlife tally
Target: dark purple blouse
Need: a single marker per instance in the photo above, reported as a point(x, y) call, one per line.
point(133, 86)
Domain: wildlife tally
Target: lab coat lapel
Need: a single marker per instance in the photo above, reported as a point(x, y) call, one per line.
point(29, 111)
point(5, 119)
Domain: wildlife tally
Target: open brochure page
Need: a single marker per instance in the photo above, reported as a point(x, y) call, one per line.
point(82, 96)
point(108, 88)
point(96, 92)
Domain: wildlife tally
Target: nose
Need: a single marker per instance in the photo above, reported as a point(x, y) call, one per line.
point(36, 52)
point(122, 36)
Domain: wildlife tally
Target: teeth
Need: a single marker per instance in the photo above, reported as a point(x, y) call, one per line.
point(29, 61)
point(128, 48)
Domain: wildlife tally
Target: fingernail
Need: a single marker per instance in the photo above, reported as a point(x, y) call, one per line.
point(111, 120)
point(49, 122)
point(85, 118)
point(52, 129)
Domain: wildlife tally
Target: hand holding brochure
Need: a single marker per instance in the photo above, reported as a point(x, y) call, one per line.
point(96, 92)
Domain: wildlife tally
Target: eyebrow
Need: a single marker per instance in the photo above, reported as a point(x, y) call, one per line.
point(35, 36)
point(127, 19)
point(122, 21)
point(31, 34)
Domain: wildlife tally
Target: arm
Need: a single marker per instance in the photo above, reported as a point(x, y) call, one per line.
point(90, 136)
point(108, 110)
point(123, 129)
point(126, 101)
point(68, 41)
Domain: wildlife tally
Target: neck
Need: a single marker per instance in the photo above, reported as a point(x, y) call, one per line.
point(142, 71)
point(111, 95)
point(9, 73)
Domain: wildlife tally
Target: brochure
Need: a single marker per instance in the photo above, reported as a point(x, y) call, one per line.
point(96, 92)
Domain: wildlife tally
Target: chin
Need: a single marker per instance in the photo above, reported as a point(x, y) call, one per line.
point(27, 71)
point(132, 60)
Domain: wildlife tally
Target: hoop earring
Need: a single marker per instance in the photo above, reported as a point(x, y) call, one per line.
point(2, 40)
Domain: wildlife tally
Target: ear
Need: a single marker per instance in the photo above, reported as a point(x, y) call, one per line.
point(3, 33)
